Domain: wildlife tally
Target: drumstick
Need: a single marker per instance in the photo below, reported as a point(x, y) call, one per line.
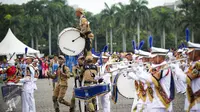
point(76, 38)
point(11, 56)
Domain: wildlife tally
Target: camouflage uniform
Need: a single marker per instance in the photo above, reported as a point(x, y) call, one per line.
point(76, 71)
point(90, 70)
point(85, 30)
point(61, 87)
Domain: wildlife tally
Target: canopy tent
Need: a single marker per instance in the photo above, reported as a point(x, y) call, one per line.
point(10, 45)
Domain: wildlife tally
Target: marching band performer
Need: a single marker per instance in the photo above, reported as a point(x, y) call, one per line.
point(139, 103)
point(133, 76)
point(192, 78)
point(161, 80)
point(85, 31)
point(145, 92)
point(76, 70)
point(63, 73)
point(88, 77)
point(106, 76)
point(180, 86)
point(143, 87)
point(54, 64)
point(29, 86)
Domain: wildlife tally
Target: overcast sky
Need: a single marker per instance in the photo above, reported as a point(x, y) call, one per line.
point(95, 6)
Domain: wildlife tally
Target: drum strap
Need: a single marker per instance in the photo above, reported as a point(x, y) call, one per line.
point(87, 44)
point(87, 33)
point(92, 66)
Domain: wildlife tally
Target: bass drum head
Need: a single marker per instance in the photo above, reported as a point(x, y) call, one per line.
point(126, 86)
point(70, 42)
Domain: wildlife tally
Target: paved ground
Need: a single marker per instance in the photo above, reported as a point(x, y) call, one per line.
point(43, 97)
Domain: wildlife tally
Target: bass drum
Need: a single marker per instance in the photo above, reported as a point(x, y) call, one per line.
point(70, 42)
point(126, 86)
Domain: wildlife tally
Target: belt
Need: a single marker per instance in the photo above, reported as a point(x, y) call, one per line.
point(90, 82)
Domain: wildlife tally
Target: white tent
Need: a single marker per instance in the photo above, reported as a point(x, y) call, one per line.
point(10, 45)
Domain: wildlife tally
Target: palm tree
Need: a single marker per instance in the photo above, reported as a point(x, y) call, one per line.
point(164, 21)
point(47, 13)
point(108, 16)
point(176, 22)
point(121, 23)
point(34, 20)
point(141, 13)
point(191, 19)
point(57, 19)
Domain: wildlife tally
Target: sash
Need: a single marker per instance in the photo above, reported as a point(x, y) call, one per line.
point(142, 92)
point(192, 97)
point(149, 91)
point(172, 87)
point(136, 86)
point(115, 90)
point(162, 95)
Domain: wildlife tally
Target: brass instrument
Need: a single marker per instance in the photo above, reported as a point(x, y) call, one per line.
point(170, 62)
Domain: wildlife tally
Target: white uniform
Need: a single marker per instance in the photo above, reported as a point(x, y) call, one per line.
point(157, 105)
point(105, 99)
point(28, 101)
point(195, 85)
point(180, 86)
point(142, 76)
point(136, 104)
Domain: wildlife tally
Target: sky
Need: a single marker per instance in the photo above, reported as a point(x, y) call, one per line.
point(95, 6)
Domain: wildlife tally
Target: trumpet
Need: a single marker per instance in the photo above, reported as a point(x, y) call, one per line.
point(170, 62)
point(126, 63)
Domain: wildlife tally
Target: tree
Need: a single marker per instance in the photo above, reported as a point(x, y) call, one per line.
point(190, 8)
point(108, 15)
point(163, 20)
point(141, 13)
point(176, 23)
point(40, 21)
point(34, 18)
point(121, 24)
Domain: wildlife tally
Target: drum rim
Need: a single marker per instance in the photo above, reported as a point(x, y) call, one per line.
point(117, 76)
point(65, 30)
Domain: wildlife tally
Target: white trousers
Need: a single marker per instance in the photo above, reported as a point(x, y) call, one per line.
point(28, 102)
point(141, 107)
point(105, 102)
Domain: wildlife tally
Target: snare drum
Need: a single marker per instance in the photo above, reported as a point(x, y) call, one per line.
point(70, 42)
point(11, 91)
point(88, 92)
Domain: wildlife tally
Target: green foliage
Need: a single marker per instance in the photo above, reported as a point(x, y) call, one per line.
point(33, 20)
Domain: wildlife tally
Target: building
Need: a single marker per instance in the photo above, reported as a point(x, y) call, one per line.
point(173, 5)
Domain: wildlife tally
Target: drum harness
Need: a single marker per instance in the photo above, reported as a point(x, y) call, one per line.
point(88, 67)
